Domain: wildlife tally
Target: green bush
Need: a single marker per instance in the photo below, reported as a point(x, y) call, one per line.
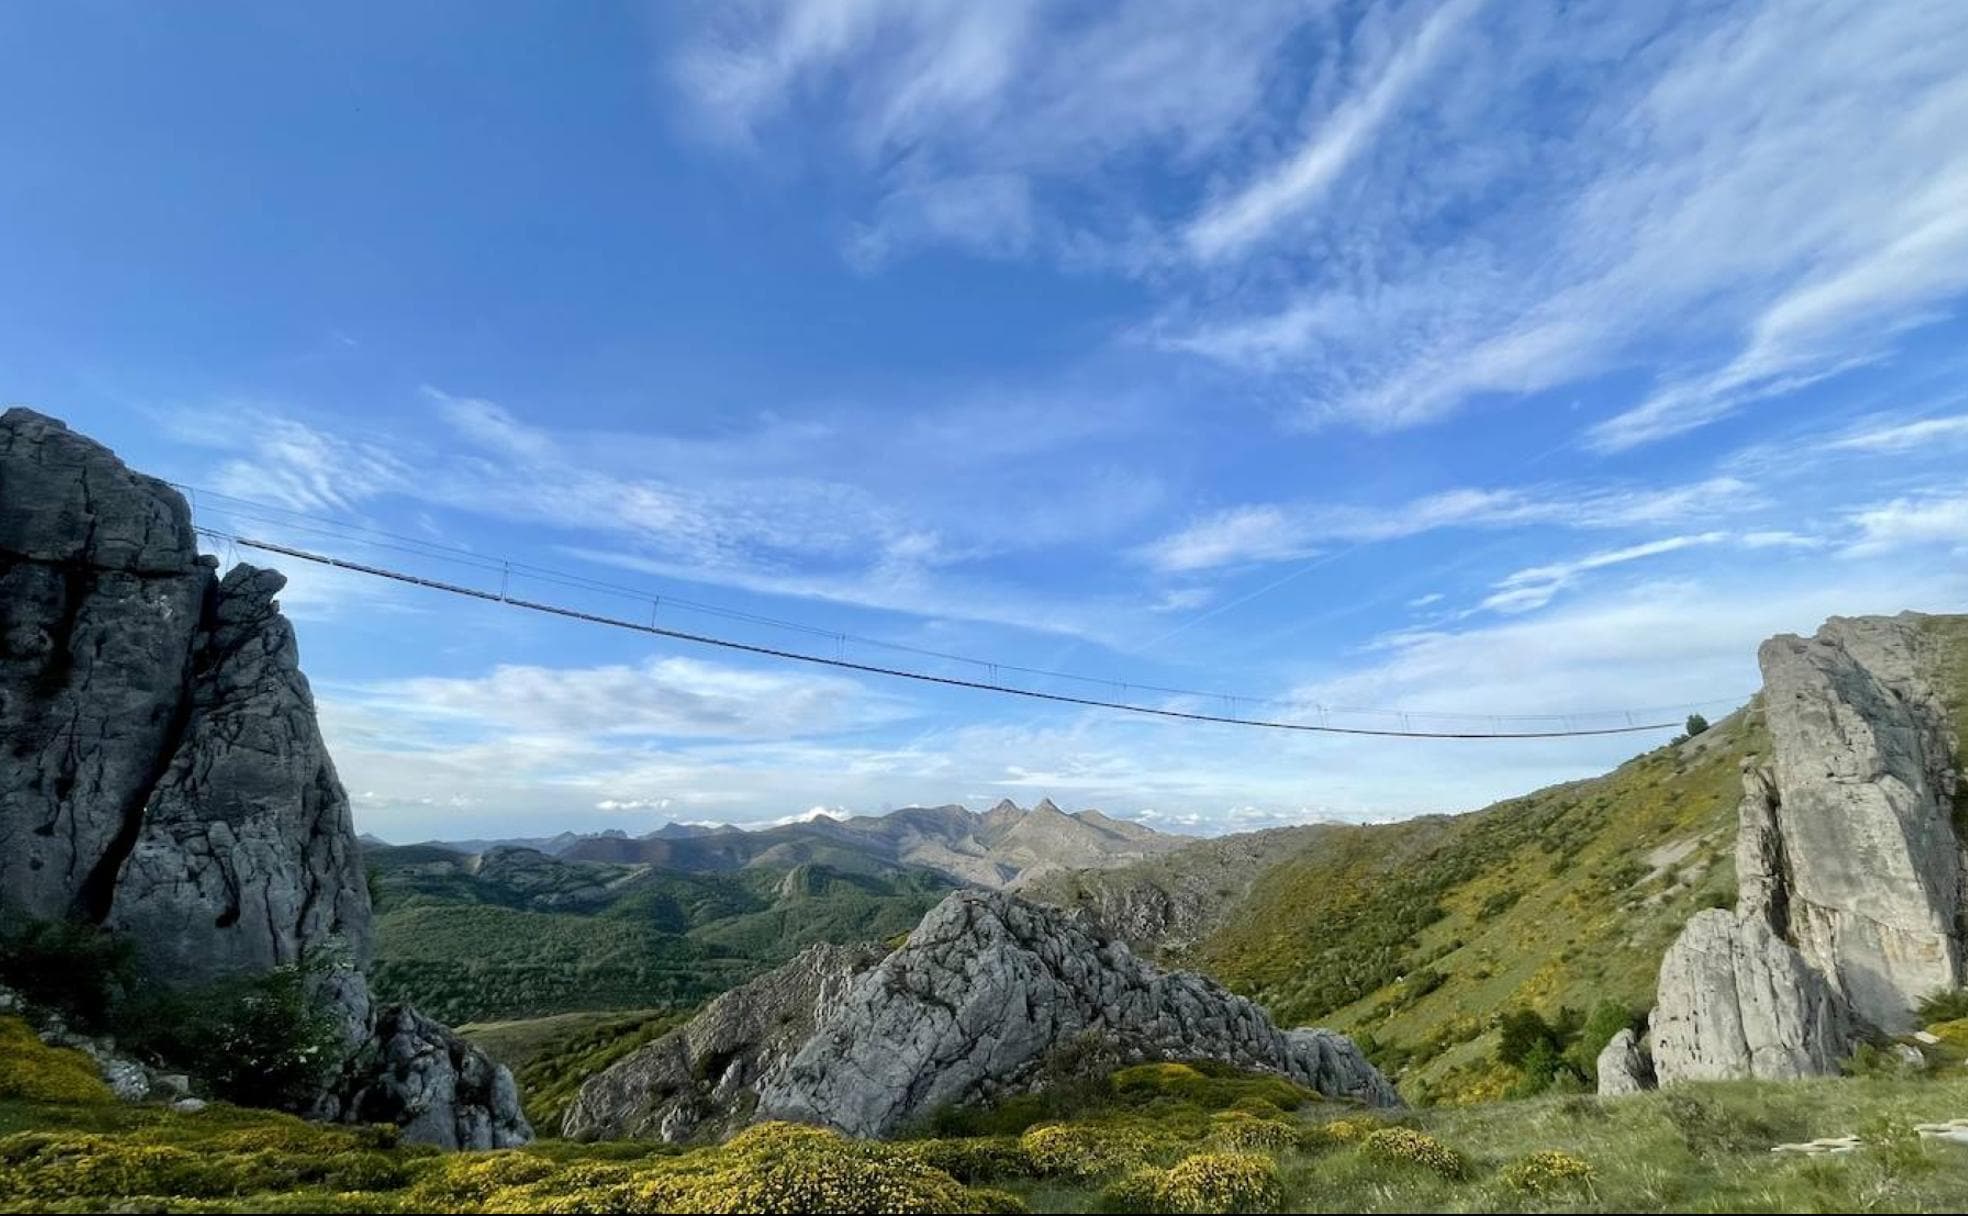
point(257, 1040)
point(78, 969)
point(1082, 1151)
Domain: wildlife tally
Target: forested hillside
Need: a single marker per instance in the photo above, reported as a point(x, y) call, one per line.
point(513, 933)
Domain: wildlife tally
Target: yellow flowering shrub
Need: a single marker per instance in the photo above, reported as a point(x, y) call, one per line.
point(1138, 1190)
point(1347, 1131)
point(1546, 1172)
point(1954, 1033)
point(1084, 1151)
point(781, 1167)
point(972, 1158)
point(32, 1071)
point(1220, 1182)
point(1235, 1129)
point(51, 1165)
point(468, 1179)
point(1406, 1146)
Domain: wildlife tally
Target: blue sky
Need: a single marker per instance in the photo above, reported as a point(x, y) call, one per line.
point(1441, 357)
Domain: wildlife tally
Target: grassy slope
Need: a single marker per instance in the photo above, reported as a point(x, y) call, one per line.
point(1419, 933)
point(551, 1056)
point(1702, 1148)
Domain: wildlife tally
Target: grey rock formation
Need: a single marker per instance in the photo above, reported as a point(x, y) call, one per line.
point(701, 1080)
point(1849, 868)
point(439, 1089)
point(989, 986)
point(246, 856)
point(1623, 1066)
point(1736, 1001)
point(1870, 871)
point(101, 596)
point(163, 773)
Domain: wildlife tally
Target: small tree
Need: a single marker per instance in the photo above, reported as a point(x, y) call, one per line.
point(1696, 725)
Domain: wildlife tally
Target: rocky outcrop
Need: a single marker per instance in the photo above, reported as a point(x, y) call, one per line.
point(1870, 869)
point(439, 1089)
point(1623, 1066)
point(1736, 1000)
point(1849, 868)
point(989, 985)
point(701, 1080)
point(987, 991)
point(164, 775)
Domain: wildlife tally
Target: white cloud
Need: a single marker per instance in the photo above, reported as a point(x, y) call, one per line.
point(1283, 532)
point(1904, 436)
point(1253, 212)
point(661, 697)
point(1535, 587)
point(1905, 522)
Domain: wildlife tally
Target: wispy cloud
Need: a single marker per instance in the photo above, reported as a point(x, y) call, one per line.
point(1904, 522)
point(1905, 436)
point(1534, 587)
point(1254, 211)
point(1283, 532)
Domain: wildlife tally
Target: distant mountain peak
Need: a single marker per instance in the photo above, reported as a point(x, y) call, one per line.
point(1006, 806)
point(1046, 807)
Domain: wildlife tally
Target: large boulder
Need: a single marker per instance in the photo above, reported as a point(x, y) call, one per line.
point(1736, 1000)
point(1623, 1066)
point(989, 986)
point(164, 774)
point(419, 1075)
point(701, 1080)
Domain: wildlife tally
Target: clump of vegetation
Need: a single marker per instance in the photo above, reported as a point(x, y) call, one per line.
point(1087, 1151)
point(1406, 1146)
point(75, 969)
point(1549, 1172)
point(1947, 1005)
point(1220, 1182)
point(1244, 1131)
point(32, 1071)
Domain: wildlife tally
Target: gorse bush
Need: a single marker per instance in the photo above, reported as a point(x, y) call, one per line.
point(1547, 1172)
point(1235, 1129)
point(1406, 1146)
point(1220, 1182)
point(1083, 1151)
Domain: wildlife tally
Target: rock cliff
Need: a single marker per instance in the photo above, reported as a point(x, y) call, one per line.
point(1849, 866)
point(164, 776)
point(702, 1079)
point(987, 988)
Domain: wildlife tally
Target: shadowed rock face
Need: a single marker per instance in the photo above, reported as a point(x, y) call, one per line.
point(163, 773)
point(1848, 865)
point(701, 1079)
point(987, 988)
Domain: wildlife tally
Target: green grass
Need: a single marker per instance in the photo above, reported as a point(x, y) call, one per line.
point(1697, 1148)
point(551, 1056)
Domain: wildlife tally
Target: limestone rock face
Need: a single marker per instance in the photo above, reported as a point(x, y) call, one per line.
point(1623, 1066)
point(700, 1080)
point(101, 597)
point(1870, 864)
point(163, 774)
point(439, 1089)
point(1736, 1000)
point(246, 855)
point(989, 985)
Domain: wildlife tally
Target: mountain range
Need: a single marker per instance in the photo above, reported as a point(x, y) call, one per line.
point(1005, 847)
